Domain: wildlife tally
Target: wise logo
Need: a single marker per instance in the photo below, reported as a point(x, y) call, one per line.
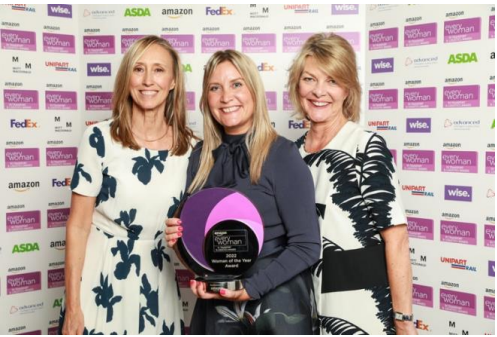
point(218, 11)
point(25, 248)
point(23, 124)
point(462, 58)
point(418, 125)
point(61, 183)
point(98, 69)
point(382, 65)
point(62, 11)
point(459, 193)
point(137, 12)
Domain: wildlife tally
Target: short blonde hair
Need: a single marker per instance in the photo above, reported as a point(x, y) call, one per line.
point(261, 134)
point(336, 57)
point(175, 110)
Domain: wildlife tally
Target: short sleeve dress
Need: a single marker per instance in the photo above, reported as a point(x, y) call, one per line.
point(128, 283)
point(357, 196)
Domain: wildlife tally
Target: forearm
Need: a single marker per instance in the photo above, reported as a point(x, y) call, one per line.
point(76, 239)
point(400, 275)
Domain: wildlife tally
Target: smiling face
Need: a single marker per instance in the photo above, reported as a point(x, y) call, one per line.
point(230, 100)
point(320, 96)
point(152, 79)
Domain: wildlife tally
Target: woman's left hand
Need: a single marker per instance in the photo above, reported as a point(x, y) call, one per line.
point(199, 289)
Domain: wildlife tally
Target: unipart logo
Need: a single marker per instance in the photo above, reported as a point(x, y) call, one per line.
point(98, 69)
point(418, 125)
point(459, 193)
point(218, 11)
point(462, 58)
point(22, 8)
point(137, 12)
point(60, 66)
point(461, 264)
point(25, 248)
point(303, 124)
point(382, 125)
point(382, 65)
point(23, 124)
point(301, 9)
point(417, 190)
point(62, 11)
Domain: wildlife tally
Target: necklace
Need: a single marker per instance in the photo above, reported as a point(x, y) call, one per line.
point(153, 140)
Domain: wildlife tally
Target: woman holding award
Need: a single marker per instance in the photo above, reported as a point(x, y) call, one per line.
point(242, 151)
point(363, 281)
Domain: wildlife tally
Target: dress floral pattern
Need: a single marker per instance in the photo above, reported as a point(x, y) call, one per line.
point(357, 196)
point(128, 283)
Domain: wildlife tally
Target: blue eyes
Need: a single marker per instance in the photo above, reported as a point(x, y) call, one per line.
point(235, 85)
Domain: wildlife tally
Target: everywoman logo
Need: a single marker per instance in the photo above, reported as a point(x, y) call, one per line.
point(459, 302)
point(422, 295)
point(18, 40)
point(462, 30)
point(420, 228)
point(384, 38)
point(463, 96)
point(420, 98)
point(458, 232)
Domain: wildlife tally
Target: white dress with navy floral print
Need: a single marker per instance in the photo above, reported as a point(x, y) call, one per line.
point(128, 283)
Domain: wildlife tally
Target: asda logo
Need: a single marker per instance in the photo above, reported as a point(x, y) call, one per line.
point(57, 303)
point(187, 68)
point(137, 12)
point(25, 248)
point(462, 58)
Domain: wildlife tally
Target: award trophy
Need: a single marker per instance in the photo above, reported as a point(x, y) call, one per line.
point(222, 236)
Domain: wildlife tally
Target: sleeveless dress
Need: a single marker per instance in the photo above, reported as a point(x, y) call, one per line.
point(357, 195)
point(128, 283)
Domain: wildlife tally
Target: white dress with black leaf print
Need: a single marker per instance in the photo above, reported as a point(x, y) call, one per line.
point(128, 283)
point(357, 195)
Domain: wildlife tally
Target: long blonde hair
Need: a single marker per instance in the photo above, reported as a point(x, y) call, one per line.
point(175, 110)
point(261, 134)
point(337, 59)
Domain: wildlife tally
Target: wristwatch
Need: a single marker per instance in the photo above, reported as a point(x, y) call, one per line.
point(403, 317)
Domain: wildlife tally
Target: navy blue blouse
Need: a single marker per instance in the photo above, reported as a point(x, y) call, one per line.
point(284, 197)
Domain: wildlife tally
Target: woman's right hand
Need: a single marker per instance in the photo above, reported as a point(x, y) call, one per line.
point(74, 322)
point(173, 231)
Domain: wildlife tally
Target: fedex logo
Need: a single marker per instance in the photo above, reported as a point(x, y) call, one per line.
point(63, 183)
point(459, 193)
point(25, 124)
point(304, 124)
point(219, 11)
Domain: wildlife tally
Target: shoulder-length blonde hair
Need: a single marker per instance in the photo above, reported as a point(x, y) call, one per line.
point(336, 57)
point(261, 134)
point(175, 110)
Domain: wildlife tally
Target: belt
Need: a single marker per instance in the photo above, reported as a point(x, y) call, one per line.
point(354, 269)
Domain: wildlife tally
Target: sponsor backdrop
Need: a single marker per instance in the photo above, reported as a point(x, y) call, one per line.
point(428, 81)
point(430, 91)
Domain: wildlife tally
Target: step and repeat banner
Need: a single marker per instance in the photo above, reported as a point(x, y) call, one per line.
point(429, 93)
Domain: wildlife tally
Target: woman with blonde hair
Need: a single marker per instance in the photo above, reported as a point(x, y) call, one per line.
point(130, 174)
point(363, 281)
point(243, 152)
